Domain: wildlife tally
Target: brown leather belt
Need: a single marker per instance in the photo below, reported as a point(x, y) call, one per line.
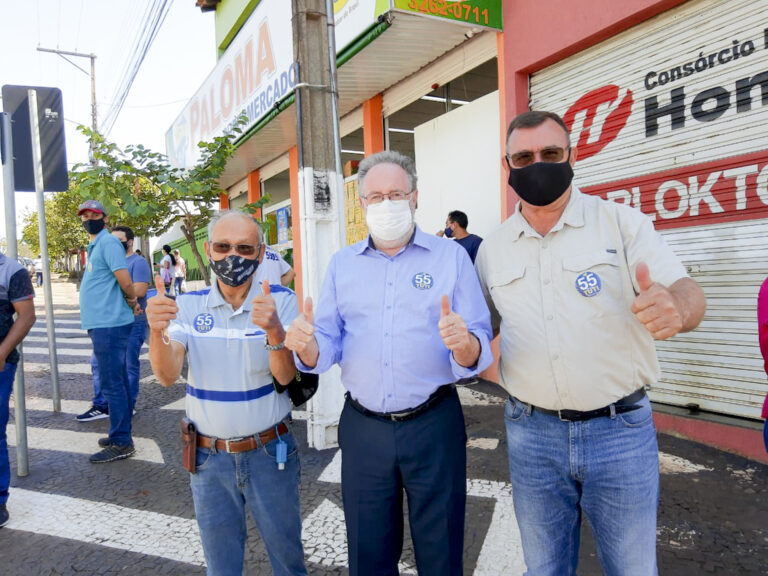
point(243, 444)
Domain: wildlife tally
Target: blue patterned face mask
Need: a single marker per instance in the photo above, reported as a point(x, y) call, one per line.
point(234, 270)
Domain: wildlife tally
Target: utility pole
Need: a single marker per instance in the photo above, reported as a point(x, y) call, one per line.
point(94, 115)
point(321, 199)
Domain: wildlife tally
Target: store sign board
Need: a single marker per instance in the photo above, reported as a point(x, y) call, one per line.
point(679, 130)
point(485, 13)
point(353, 17)
point(253, 75)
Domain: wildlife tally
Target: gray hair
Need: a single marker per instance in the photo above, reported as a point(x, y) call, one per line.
point(224, 214)
point(388, 157)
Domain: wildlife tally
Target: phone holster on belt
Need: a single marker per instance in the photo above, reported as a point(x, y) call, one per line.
point(188, 444)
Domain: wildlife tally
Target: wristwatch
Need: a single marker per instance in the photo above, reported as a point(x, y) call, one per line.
point(271, 347)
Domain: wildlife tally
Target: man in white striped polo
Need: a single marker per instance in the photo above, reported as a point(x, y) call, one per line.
point(246, 455)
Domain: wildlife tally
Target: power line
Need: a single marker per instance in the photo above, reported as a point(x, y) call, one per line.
point(153, 21)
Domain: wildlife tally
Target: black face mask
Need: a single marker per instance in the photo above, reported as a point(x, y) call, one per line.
point(94, 226)
point(234, 270)
point(541, 183)
point(125, 245)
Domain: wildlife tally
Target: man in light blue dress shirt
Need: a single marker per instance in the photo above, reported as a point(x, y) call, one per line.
point(403, 315)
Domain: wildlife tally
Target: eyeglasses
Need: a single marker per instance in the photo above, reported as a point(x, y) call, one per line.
point(552, 154)
point(377, 198)
point(242, 249)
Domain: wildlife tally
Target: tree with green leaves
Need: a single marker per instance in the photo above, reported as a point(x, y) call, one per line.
point(139, 183)
point(65, 232)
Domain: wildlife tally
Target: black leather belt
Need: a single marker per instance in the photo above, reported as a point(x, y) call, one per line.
point(626, 404)
point(408, 414)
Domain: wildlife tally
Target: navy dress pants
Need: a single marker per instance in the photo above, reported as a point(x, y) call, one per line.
point(425, 458)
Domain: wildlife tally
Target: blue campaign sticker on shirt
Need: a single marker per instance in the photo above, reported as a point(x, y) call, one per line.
point(204, 322)
point(589, 284)
point(422, 281)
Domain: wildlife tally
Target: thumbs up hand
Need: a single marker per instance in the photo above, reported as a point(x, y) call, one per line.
point(160, 309)
point(300, 336)
point(456, 336)
point(655, 306)
point(264, 313)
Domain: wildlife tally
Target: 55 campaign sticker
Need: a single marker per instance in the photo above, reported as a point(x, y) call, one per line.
point(422, 281)
point(589, 284)
point(203, 322)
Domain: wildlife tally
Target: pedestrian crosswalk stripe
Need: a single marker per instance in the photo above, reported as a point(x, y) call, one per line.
point(139, 531)
point(85, 352)
point(43, 330)
point(82, 340)
point(147, 449)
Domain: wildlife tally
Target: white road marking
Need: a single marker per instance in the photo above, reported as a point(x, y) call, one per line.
point(471, 397)
point(59, 340)
point(483, 443)
point(82, 352)
point(73, 407)
point(669, 464)
point(118, 527)
point(180, 404)
point(332, 472)
point(41, 322)
point(82, 368)
point(43, 330)
point(502, 551)
point(147, 449)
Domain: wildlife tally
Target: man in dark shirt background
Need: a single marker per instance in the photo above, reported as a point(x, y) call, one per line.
point(456, 228)
point(16, 295)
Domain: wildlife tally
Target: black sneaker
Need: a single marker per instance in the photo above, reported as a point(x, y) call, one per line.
point(95, 413)
point(113, 452)
point(105, 442)
point(4, 516)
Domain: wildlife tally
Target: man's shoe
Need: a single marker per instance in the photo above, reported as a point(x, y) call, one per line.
point(112, 453)
point(4, 516)
point(105, 442)
point(95, 413)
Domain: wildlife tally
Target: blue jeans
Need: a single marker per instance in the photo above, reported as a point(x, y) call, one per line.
point(136, 340)
point(6, 386)
point(607, 468)
point(226, 484)
point(109, 347)
point(177, 282)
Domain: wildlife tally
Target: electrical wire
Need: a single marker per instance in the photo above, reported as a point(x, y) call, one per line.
point(154, 18)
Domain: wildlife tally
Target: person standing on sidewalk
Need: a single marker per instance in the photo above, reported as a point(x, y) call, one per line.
point(246, 456)
point(762, 331)
point(107, 309)
point(403, 315)
point(16, 296)
point(141, 276)
point(456, 228)
point(38, 264)
point(568, 278)
point(179, 273)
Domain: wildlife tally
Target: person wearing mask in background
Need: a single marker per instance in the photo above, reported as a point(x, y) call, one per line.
point(456, 228)
point(403, 315)
point(568, 278)
point(167, 266)
point(246, 457)
point(108, 306)
point(16, 296)
point(762, 331)
point(274, 268)
point(179, 273)
point(141, 276)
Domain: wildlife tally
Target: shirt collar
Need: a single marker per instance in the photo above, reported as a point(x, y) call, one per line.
point(215, 298)
point(572, 216)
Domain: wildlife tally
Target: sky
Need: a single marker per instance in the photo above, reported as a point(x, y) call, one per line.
point(180, 58)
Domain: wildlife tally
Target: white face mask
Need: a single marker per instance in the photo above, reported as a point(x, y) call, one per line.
point(389, 221)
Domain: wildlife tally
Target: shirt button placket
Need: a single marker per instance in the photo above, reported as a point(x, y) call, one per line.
point(387, 331)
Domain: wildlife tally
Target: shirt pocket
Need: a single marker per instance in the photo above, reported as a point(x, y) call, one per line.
point(506, 288)
point(594, 280)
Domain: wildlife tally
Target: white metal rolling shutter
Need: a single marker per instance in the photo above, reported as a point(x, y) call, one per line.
point(720, 231)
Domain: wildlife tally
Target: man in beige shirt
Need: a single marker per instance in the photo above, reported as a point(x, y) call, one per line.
point(579, 287)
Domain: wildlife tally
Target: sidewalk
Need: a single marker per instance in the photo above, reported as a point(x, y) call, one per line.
point(135, 517)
